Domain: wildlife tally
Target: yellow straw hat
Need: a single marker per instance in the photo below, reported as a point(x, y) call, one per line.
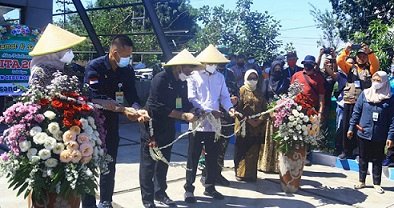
point(55, 39)
point(211, 55)
point(183, 58)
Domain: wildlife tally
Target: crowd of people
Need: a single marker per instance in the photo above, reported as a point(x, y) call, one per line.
point(216, 90)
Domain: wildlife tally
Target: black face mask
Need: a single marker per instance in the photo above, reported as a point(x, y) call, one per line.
point(308, 67)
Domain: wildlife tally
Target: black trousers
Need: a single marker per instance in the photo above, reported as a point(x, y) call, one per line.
point(193, 155)
point(107, 181)
point(153, 174)
point(348, 144)
point(371, 151)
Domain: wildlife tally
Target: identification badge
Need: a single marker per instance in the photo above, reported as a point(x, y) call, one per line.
point(357, 84)
point(178, 103)
point(375, 116)
point(119, 97)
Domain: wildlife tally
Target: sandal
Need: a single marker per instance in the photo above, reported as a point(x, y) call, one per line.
point(359, 186)
point(378, 189)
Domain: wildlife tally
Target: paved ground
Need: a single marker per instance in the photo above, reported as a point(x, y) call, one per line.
point(322, 186)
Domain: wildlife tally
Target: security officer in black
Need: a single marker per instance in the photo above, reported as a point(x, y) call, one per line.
point(167, 101)
point(111, 79)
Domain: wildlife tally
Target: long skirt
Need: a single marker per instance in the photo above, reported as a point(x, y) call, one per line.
point(246, 157)
point(268, 157)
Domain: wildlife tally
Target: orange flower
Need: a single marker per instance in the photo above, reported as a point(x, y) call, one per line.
point(57, 104)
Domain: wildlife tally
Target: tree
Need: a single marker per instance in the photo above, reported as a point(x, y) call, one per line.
point(355, 16)
point(241, 31)
point(173, 15)
point(327, 22)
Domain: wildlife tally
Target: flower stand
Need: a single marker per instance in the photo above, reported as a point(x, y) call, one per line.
point(55, 201)
point(291, 165)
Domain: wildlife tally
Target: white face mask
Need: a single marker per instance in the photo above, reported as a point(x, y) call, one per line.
point(377, 85)
point(183, 76)
point(67, 57)
point(211, 68)
point(251, 84)
point(123, 61)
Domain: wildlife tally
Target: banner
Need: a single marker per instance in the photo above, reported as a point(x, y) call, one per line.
point(16, 41)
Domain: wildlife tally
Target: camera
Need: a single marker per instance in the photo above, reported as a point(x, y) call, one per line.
point(327, 50)
point(356, 47)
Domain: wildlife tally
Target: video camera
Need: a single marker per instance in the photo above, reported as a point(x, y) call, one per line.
point(356, 47)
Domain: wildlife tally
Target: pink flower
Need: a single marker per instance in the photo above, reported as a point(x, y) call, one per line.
point(86, 149)
point(39, 118)
point(86, 160)
point(83, 138)
point(69, 136)
point(76, 156)
point(73, 145)
point(65, 156)
point(4, 157)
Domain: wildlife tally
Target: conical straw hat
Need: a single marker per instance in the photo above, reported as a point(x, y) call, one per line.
point(55, 39)
point(183, 58)
point(211, 55)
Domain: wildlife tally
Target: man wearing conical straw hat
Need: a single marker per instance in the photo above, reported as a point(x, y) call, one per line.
point(167, 102)
point(207, 91)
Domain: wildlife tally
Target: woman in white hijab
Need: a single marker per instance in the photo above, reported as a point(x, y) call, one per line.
point(373, 118)
point(251, 137)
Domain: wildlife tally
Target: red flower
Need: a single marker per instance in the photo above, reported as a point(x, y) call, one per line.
point(43, 102)
point(77, 123)
point(57, 104)
point(85, 108)
point(69, 114)
point(67, 123)
point(71, 94)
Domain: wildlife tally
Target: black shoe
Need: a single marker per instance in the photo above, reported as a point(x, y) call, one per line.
point(342, 156)
point(189, 197)
point(164, 199)
point(214, 194)
point(221, 180)
point(149, 205)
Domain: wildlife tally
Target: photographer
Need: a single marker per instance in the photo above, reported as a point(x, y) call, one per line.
point(359, 78)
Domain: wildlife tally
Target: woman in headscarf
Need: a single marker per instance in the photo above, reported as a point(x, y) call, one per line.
point(276, 84)
point(249, 137)
point(373, 118)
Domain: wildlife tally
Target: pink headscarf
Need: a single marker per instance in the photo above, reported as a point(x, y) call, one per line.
point(377, 95)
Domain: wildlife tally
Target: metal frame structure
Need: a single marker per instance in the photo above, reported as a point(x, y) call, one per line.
point(150, 10)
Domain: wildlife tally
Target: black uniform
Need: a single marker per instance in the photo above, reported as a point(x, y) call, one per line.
point(103, 83)
point(165, 90)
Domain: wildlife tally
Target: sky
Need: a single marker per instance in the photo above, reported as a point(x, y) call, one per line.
point(297, 23)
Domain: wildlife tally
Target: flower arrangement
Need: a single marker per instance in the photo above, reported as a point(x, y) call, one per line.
point(296, 120)
point(56, 145)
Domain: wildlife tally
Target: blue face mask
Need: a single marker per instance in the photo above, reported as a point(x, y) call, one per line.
point(123, 62)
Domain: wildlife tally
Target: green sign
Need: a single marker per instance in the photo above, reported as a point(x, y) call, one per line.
point(16, 41)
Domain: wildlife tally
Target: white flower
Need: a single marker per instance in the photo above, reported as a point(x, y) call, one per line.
point(40, 138)
point(51, 163)
point(295, 138)
point(291, 118)
point(299, 108)
point(286, 138)
point(35, 130)
point(298, 127)
point(305, 133)
point(59, 136)
point(306, 119)
point(49, 143)
point(304, 128)
point(53, 128)
point(24, 146)
point(295, 112)
point(295, 123)
point(50, 115)
point(84, 123)
point(301, 115)
point(59, 147)
point(88, 130)
point(290, 124)
point(35, 159)
point(31, 152)
point(89, 172)
point(99, 142)
point(91, 120)
point(44, 154)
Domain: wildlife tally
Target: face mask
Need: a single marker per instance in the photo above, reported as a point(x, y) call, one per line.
point(68, 57)
point(123, 61)
point(308, 67)
point(251, 84)
point(211, 68)
point(251, 61)
point(183, 76)
point(291, 63)
point(377, 85)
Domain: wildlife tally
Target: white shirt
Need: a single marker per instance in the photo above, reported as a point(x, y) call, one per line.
point(207, 92)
